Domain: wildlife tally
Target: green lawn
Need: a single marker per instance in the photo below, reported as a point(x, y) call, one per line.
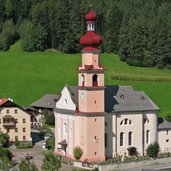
point(27, 76)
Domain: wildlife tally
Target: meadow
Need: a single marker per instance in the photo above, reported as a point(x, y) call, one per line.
point(25, 76)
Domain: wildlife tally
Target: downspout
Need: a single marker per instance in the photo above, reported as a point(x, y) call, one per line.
point(116, 134)
point(143, 133)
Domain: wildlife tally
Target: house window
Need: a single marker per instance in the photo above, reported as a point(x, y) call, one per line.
point(7, 111)
point(0, 120)
point(105, 140)
point(24, 120)
point(8, 130)
point(167, 140)
point(24, 129)
point(16, 138)
point(147, 136)
point(15, 111)
point(16, 129)
point(16, 120)
point(24, 137)
point(121, 138)
point(130, 138)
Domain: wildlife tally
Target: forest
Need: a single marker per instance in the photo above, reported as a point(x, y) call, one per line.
point(138, 30)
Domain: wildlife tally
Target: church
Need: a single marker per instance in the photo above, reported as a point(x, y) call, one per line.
point(105, 121)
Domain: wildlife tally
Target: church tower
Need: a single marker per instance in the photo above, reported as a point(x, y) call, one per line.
point(91, 115)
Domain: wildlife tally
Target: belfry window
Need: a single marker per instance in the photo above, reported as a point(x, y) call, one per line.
point(82, 80)
point(95, 80)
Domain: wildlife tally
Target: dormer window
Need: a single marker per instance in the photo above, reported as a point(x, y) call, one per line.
point(142, 98)
point(122, 96)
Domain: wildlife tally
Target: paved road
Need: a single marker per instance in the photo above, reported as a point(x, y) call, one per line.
point(35, 152)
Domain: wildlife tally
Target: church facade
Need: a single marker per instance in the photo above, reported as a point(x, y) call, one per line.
point(105, 121)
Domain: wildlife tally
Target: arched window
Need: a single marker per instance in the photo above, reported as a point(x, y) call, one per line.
point(130, 138)
point(147, 136)
point(82, 80)
point(121, 138)
point(126, 121)
point(95, 80)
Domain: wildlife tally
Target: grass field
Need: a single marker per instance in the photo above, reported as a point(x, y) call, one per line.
point(27, 76)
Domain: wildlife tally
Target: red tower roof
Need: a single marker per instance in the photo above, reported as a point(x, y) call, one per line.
point(90, 16)
point(91, 40)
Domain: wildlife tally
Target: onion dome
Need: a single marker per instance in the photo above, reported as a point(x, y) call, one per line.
point(91, 40)
point(90, 16)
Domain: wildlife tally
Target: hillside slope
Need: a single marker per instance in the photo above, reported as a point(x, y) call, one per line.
point(28, 76)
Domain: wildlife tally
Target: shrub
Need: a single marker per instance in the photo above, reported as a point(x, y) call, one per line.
point(78, 152)
point(24, 144)
point(4, 152)
point(4, 140)
point(51, 143)
point(153, 150)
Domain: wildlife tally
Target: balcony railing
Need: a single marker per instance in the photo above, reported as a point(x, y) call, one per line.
point(9, 121)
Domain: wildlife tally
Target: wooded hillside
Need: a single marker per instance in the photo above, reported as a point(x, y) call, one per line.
point(139, 30)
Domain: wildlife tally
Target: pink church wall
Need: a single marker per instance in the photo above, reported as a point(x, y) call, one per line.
point(92, 138)
point(90, 59)
point(93, 101)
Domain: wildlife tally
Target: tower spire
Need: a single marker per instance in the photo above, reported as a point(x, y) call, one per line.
point(90, 40)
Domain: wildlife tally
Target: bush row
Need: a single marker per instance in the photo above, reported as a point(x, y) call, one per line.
point(139, 78)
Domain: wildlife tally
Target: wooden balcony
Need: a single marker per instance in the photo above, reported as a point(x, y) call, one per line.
point(8, 121)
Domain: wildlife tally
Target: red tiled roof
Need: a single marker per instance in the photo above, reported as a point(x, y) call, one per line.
point(3, 100)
